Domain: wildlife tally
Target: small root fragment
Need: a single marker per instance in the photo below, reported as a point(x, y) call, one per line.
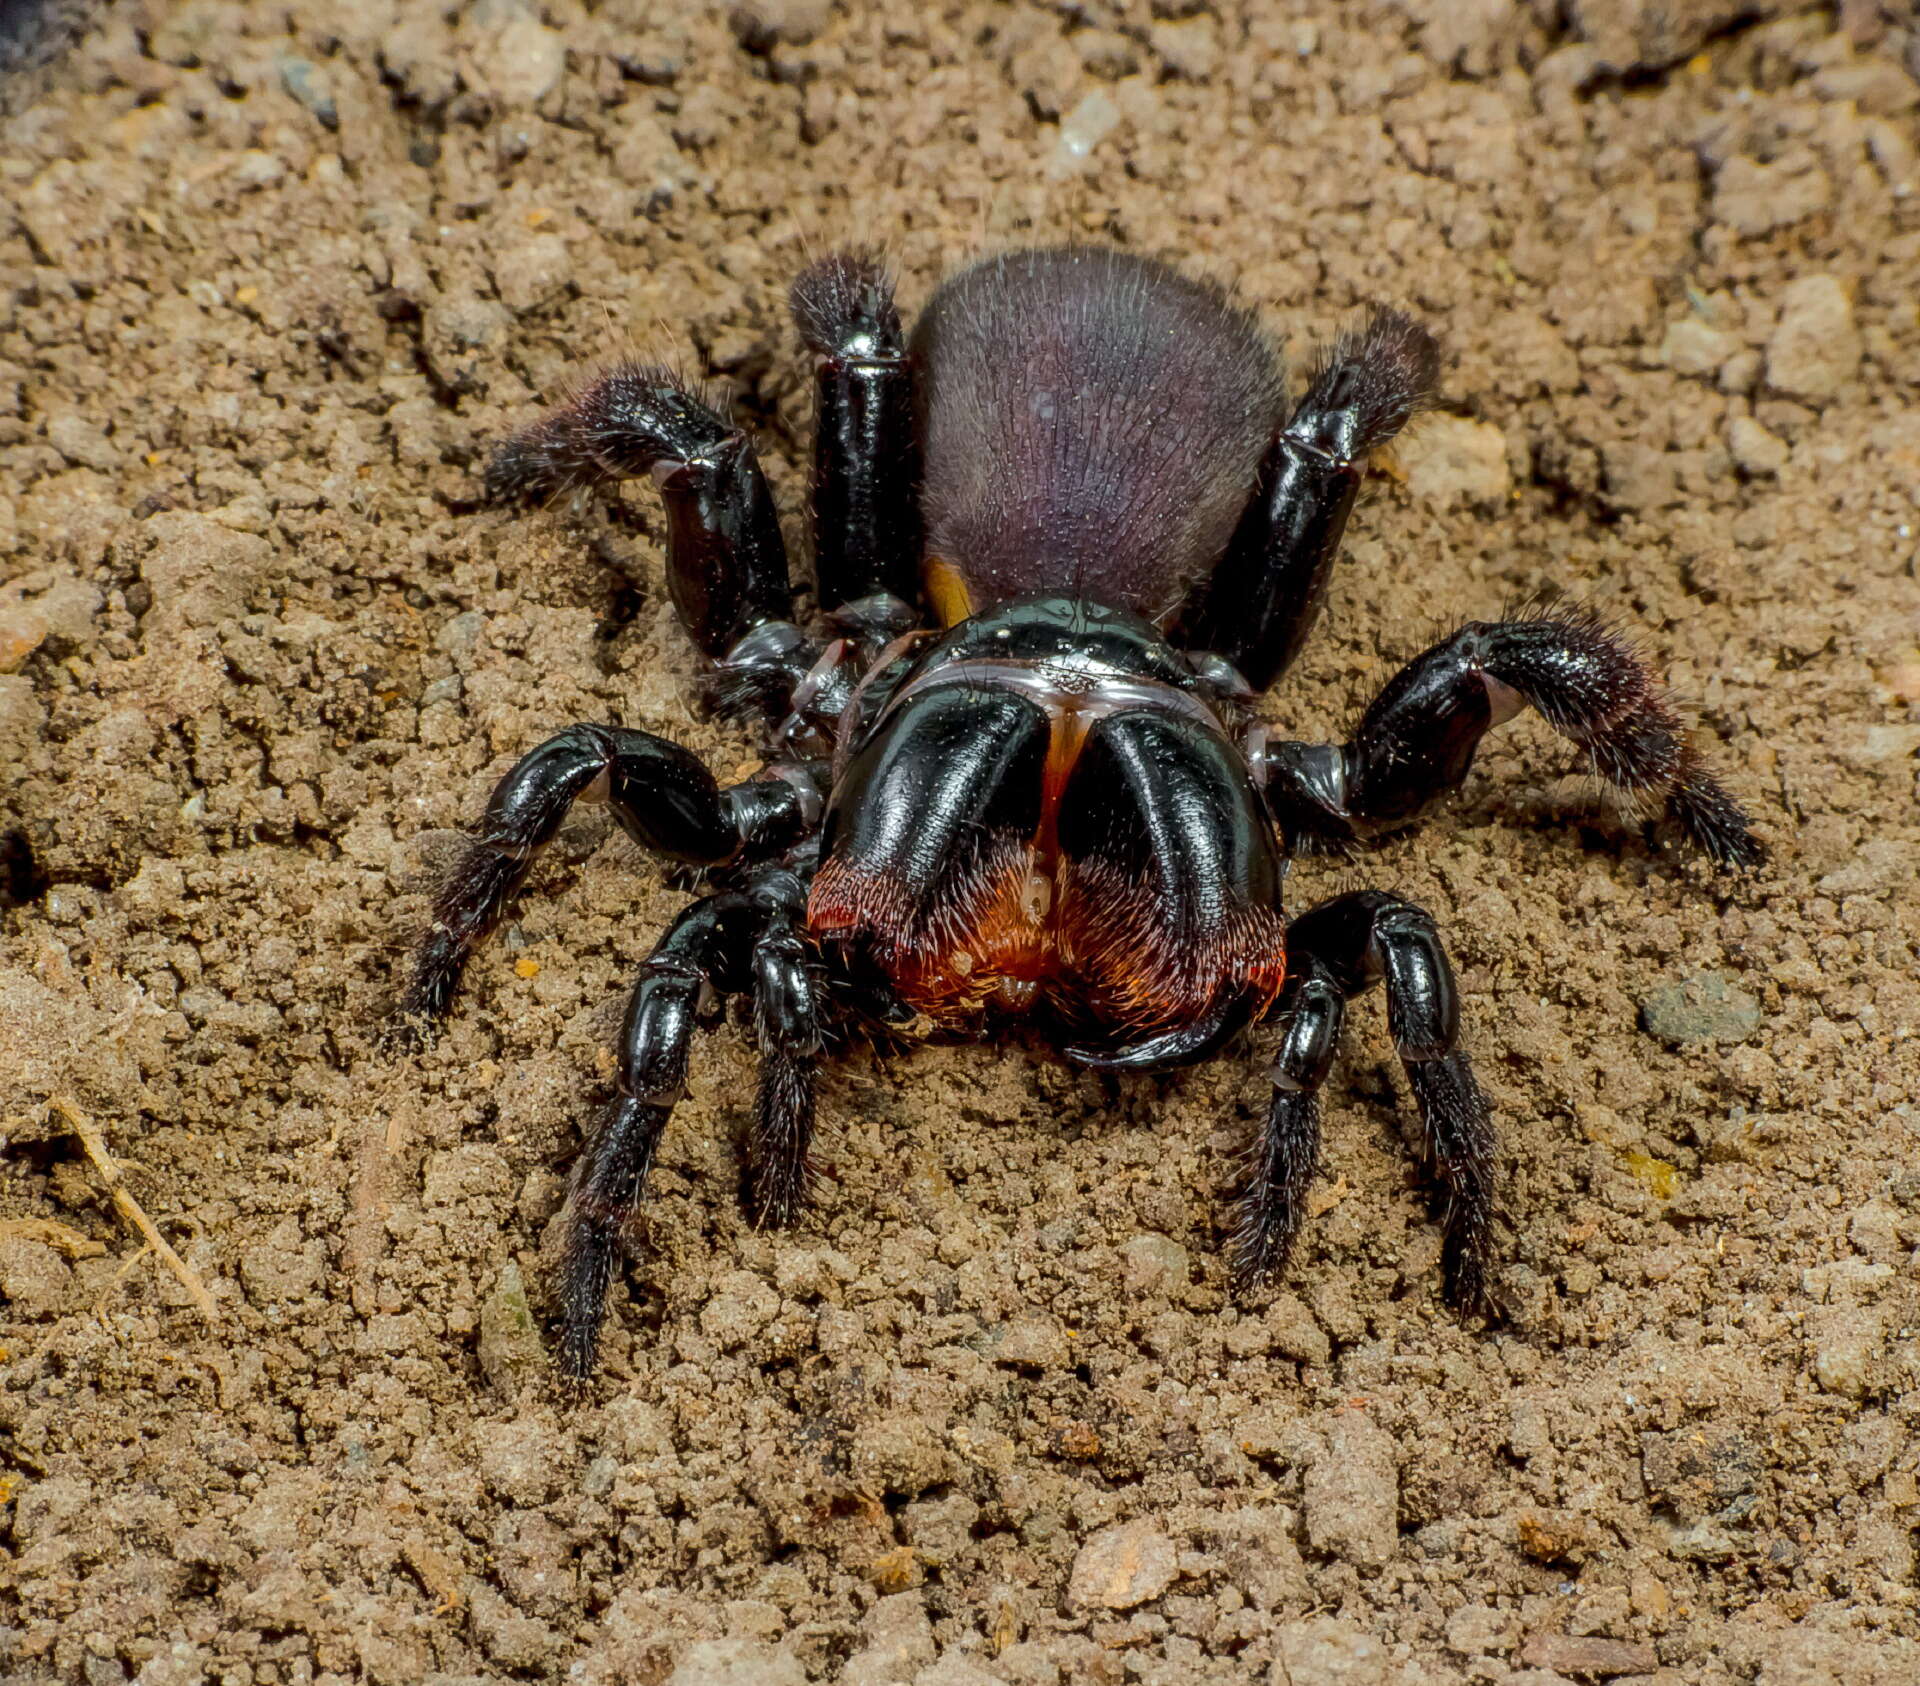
point(94, 1142)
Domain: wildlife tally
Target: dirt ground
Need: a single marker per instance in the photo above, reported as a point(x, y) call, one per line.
point(271, 277)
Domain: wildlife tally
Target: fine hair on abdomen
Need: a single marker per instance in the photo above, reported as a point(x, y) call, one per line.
point(1093, 423)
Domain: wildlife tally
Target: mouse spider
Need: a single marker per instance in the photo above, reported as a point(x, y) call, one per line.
point(1064, 534)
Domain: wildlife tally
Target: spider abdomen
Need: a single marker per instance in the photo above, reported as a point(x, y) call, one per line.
point(1092, 423)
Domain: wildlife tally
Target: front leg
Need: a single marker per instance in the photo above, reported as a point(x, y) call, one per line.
point(1336, 951)
point(1419, 738)
point(661, 795)
point(866, 449)
point(726, 561)
point(1259, 604)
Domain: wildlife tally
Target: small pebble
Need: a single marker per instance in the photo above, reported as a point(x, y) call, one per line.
point(1479, 1630)
point(1352, 1493)
point(1155, 1265)
point(1451, 458)
point(307, 82)
point(22, 631)
point(1600, 1657)
point(1754, 449)
point(1847, 1342)
point(1035, 1343)
point(1708, 1007)
point(1331, 1652)
point(531, 271)
point(1692, 347)
point(1081, 130)
point(34, 1280)
point(519, 1459)
point(736, 1662)
point(899, 1641)
point(741, 1307)
point(521, 62)
point(1128, 1564)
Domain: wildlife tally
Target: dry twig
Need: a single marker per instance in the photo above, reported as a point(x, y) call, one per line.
point(95, 1144)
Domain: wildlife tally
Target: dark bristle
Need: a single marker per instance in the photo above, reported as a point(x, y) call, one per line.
point(1711, 817)
point(1460, 1144)
point(844, 303)
point(607, 1180)
point(782, 1127)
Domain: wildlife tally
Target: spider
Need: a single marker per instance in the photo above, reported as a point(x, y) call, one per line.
point(1064, 535)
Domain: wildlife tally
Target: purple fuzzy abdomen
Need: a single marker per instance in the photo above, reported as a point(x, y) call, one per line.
point(1092, 423)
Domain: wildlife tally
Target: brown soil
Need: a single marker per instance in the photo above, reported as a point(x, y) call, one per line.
point(272, 276)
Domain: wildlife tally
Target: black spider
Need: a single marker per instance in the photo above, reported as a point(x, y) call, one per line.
point(1052, 806)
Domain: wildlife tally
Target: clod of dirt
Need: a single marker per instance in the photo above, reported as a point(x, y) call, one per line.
point(1352, 1492)
point(1815, 347)
point(58, 1042)
point(1451, 459)
point(1329, 1652)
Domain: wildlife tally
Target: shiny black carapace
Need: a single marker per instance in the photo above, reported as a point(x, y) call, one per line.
point(1064, 536)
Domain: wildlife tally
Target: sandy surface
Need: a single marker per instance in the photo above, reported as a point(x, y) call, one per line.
point(272, 276)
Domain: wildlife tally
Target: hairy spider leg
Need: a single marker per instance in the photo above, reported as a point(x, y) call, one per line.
point(1336, 951)
point(789, 1021)
point(661, 795)
point(1418, 738)
point(1258, 606)
point(866, 447)
point(737, 942)
point(703, 951)
point(726, 561)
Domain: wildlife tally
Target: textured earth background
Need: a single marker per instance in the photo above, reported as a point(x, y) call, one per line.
point(271, 277)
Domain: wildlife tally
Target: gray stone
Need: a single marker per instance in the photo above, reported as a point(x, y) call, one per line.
point(307, 82)
point(1708, 1007)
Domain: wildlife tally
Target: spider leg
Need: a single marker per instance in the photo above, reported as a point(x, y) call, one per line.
point(1259, 604)
point(1338, 950)
point(704, 950)
point(662, 797)
point(1287, 1152)
point(1418, 738)
point(866, 449)
point(788, 1014)
point(726, 561)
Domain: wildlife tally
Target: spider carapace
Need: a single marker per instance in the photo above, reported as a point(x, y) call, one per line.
point(1064, 535)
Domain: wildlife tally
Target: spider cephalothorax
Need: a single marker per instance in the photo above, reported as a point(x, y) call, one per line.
point(1061, 538)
